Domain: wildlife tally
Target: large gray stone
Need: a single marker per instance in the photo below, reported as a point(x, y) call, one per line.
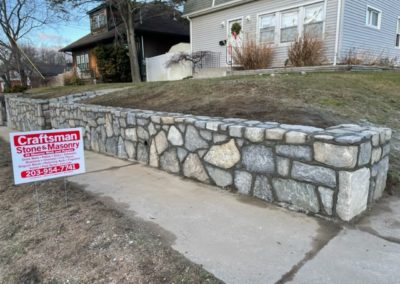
point(295, 152)
point(130, 134)
point(254, 134)
point(380, 181)
point(142, 133)
point(182, 153)
point(262, 189)
point(220, 177)
point(175, 137)
point(258, 158)
point(142, 153)
point(224, 156)
point(326, 195)
point(130, 149)
point(301, 195)
point(243, 182)
point(169, 161)
point(219, 138)
point(335, 155)
point(109, 125)
point(353, 193)
point(193, 141)
point(121, 149)
point(193, 168)
point(314, 174)
point(161, 142)
point(365, 154)
point(111, 145)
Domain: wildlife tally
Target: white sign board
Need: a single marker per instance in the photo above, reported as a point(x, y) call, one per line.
point(47, 154)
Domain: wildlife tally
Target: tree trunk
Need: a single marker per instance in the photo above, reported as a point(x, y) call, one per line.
point(133, 56)
point(20, 66)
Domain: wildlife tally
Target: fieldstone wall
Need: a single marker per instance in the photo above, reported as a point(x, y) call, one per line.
point(27, 114)
point(335, 172)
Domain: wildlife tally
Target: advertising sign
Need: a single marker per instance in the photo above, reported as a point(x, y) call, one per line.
point(47, 154)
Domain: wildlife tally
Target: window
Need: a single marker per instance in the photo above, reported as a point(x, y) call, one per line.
point(314, 20)
point(289, 26)
point(267, 28)
point(398, 33)
point(82, 61)
point(374, 18)
point(98, 21)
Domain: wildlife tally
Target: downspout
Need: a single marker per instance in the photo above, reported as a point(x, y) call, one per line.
point(338, 26)
point(191, 33)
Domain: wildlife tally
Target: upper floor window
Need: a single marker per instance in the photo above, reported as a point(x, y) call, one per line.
point(398, 33)
point(98, 21)
point(267, 28)
point(314, 20)
point(289, 26)
point(374, 17)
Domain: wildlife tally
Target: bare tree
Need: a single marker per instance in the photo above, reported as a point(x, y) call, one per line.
point(18, 18)
point(126, 10)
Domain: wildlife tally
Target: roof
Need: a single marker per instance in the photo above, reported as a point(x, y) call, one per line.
point(153, 18)
point(197, 7)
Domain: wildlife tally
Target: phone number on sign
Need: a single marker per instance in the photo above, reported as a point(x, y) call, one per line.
point(49, 171)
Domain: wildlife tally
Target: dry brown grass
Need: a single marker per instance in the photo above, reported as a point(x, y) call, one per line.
point(306, 51)
point(253, 56)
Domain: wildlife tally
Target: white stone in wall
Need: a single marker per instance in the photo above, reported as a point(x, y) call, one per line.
point(193, 168)
point(314, 174)
point(161, 142)
point(380, 182)
point(130, 134)
point(109, 125)
point(224, 156)
point(365, 154)
point(193, 141)
point(254, 134)
point(154, 158)
point(175, 137)
point(275, 133)
point(295, 137)
point(169, 161)
point(353, 193)
point(130, 149)
point(335, 155)
point(236, 131)
point(376, 155)
point(283, 165)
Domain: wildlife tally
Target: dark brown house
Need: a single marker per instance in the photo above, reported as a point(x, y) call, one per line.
point(157, 28)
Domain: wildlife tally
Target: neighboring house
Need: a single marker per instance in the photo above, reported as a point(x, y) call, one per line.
point(157, 28)
point(369, 29)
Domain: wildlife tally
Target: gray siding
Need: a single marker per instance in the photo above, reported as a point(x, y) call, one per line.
point(207, 30)
point(369, 42)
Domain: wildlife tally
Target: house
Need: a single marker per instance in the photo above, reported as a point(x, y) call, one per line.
point(366, 29)
point(157, 28)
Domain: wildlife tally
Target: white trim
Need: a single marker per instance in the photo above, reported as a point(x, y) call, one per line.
point(278, 13)
point(217, 7)
point(339, 16)
point(379, 17)
point(191, 33)
point(397, 31)
point(231, 20)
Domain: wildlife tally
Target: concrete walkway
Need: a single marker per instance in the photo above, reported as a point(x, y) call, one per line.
point(243, 240)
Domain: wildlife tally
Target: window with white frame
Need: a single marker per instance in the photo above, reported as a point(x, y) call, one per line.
point(82, 61)
point(398, 33)
point(267, 25)
point(314, 20)
point(99, 21)
point(374, 17)
point(289, 26)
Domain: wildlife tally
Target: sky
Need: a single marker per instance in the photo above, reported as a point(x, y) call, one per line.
point(61, 34)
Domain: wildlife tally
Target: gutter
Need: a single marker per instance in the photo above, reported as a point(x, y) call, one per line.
point(338, 30)
point(215, 8)
point(190, 33)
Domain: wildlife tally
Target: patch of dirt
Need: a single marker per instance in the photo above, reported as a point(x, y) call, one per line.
point(85, 241)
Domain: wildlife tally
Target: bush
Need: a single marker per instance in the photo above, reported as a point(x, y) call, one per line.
point(16, 89)
point(306, 51)
point(253, 56)
point(113, 63)
point(72, 80)
point(351, 58)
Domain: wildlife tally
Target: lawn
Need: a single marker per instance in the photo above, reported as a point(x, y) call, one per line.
point(318, 99)
point(54, 92)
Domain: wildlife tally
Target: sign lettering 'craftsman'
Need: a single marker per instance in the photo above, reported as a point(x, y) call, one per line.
point(47, 154)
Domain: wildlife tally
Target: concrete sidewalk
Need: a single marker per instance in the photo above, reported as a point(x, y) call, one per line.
point(243, 240)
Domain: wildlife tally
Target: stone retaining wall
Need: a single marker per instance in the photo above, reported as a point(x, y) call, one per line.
point(334, 172)
point(27, 114)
